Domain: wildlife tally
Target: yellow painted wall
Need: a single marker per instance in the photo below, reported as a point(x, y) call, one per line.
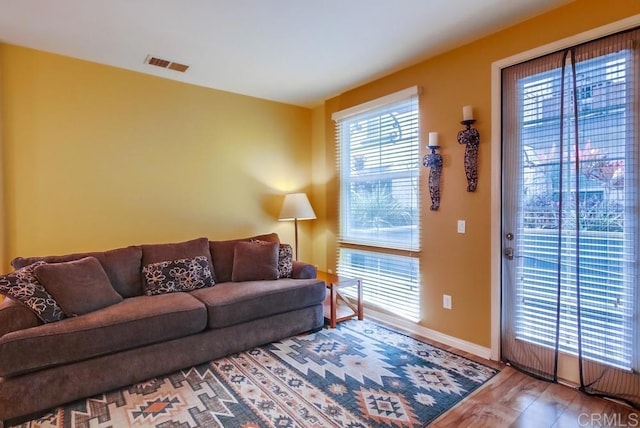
point(452, 263)
point(97, 157)
point(3, 234)
point(320, 175)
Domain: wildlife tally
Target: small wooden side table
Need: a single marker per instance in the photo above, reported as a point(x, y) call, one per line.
point(336, 307)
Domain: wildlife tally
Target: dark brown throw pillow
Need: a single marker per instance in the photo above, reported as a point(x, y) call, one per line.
point(122, 266)
point(285, 259)
point(177, 275)
point(79, 286)
point(222, 254)
point(23, 286)
point(255, 261)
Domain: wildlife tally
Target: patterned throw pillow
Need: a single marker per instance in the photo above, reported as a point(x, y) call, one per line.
point(22, 285)
point(177, 275)
point(285, 261)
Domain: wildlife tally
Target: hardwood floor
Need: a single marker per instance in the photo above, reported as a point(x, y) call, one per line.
point(514, 399)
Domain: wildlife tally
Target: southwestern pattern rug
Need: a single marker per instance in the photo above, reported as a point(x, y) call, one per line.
point(358, 375)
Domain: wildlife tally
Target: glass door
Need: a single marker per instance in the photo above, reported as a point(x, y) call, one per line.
point(570, 213)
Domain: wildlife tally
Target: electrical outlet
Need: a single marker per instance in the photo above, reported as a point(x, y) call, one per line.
point(446, 301)
point(462, 226)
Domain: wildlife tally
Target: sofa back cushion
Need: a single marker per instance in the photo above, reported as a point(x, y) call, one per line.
point(122, 266)
point(79, 286)
point(222, 253)
point(155, 253)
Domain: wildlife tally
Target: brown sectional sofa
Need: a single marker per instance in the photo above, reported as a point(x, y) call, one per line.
point(43, 365)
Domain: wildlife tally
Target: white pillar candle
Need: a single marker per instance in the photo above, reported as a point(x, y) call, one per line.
point(433, 139)
point(467, 113)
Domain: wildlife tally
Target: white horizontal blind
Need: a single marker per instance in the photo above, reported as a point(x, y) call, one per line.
point(378, 153)
point(391, 282)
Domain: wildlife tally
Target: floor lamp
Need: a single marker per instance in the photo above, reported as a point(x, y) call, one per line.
point(296, 207)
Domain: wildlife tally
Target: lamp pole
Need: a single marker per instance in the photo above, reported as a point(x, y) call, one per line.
point(295, 224)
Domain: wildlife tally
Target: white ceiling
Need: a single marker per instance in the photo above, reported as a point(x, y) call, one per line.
point(294, 51)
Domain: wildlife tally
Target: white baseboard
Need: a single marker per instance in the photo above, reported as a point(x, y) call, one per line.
point(445, 339)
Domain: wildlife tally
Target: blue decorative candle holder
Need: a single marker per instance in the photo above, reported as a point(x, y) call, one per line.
point(471, 138)
point(433, 160)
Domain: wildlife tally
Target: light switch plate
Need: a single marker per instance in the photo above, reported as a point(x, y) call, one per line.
point(462, 226)
point(446, 301)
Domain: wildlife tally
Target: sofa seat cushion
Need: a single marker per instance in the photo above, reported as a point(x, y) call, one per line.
point(231, 303)
point(134, 322)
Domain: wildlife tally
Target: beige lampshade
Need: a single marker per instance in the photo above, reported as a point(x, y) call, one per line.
point(296, 206)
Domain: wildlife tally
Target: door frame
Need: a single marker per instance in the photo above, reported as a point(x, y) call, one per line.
point(496, 156)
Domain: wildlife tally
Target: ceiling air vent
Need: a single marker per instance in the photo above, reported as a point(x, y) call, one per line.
point(163, 63)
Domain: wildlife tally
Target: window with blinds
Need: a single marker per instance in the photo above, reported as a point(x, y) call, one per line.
point(577, 217)
point(378, 151)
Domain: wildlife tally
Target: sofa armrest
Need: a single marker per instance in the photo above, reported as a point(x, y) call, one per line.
point(15, 316)
point(302, 270)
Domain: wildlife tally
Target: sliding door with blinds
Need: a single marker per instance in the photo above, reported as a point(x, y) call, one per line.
point(570, 215)
point(378, 153)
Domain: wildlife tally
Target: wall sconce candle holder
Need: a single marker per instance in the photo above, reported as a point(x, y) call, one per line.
point(471, 138)
point(433, 160)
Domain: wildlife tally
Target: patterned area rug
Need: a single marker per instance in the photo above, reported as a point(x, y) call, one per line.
point(357, 375)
